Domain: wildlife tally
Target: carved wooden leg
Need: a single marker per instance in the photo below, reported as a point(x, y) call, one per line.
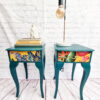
point(58, 67)
point(86, 72)
point(73, 70)
point(44, 66)
point(26, 70)
point(40, 67)
point(13, 72)
point(54, 68)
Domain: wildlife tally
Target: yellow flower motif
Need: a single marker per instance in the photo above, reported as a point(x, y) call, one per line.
point(36, 59)
point(13, 57)
point(33, 52)
point(78, 59)
point(23, 52)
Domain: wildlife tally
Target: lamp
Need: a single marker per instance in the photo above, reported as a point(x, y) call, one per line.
point(60, 10)
point(61, 13)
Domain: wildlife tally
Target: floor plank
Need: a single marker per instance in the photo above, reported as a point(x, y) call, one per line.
point(11, 94)
point(68, 90)
point(50, 89)
point(5, 88)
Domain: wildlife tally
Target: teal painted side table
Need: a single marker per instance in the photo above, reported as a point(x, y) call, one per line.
point(34, 54)
point(72, 54)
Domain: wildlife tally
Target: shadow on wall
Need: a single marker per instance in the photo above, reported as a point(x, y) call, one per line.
point(8, 19)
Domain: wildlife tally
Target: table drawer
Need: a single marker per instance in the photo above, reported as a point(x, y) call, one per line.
point(31, 56)
point(74, 56)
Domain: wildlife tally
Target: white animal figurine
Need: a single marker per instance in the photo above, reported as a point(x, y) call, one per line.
point(34, 32)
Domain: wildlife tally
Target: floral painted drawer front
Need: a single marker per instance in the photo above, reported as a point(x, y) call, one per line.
point(71, 56)
point(24, 56)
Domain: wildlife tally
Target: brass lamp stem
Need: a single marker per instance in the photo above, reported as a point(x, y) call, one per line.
point(64, 33)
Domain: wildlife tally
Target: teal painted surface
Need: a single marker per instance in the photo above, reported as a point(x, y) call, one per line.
point(40, 65)
point(24, 49)
point(73, 47)
point(59, 65)
point(73, 70)
point(86, 72)
point(28, 49)
point(13, 72)
point(26, 70)
point(31, 48)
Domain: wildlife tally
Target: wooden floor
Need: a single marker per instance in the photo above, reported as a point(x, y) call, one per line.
point(68, 90)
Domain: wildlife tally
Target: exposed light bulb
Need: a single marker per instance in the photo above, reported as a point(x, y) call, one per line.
point(60, 12)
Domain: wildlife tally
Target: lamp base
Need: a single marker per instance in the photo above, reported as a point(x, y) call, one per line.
point(63, 44)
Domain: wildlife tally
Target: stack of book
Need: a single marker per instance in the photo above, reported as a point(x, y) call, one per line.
point(28, 42)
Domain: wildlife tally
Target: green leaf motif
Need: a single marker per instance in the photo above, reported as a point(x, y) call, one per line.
point(70, 57)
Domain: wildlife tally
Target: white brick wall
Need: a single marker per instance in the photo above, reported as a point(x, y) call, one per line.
point(83, 27)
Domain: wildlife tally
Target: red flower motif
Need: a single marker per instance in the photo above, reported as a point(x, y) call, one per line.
point(81, 53)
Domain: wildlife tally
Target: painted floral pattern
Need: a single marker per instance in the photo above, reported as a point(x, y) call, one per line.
point(25, 56)
point(68, 56)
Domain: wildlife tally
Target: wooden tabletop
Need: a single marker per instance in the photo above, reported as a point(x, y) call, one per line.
point(26, 48)
point(73, 47)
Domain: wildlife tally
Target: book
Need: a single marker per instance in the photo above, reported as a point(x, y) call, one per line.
point(29, 42)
